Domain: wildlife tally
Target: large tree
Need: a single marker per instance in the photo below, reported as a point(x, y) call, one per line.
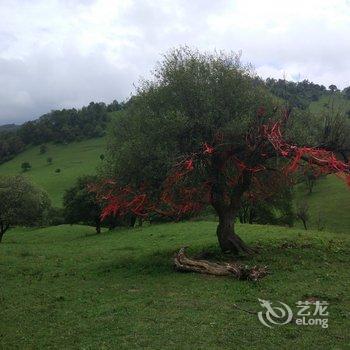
point(21, 203)
point(80, 205)
point(204, 130)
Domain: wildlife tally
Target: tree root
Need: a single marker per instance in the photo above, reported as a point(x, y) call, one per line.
point(242, 272)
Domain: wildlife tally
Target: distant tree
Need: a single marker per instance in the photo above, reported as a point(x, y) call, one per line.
point(335, 129)
point(275, 210)
point(114, 106)
point(21, 203)
point(43, 149)
point(25, 166)
point(302, 213)
point(333, 88)
point(60, 126)
point(102, 156)
point(297, 94)
point(80, 205)
point(346, 92)
point(49, 160)
point(310, 180)
point(58, 170)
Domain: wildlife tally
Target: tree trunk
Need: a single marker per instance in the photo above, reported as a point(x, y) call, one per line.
point(228, 240)
point(98, 227)
point(132, 221)
point(3, 228)
point(184, 263)
point(227, 210)
point(304, 223)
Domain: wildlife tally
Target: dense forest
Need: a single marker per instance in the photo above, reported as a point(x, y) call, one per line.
point(298, 94)
point(59, 126)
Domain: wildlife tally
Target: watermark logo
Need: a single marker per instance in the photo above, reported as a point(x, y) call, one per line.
point(274, 315)
point(309, 313)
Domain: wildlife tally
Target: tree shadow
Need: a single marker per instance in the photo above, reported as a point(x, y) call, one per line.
point(278, 254)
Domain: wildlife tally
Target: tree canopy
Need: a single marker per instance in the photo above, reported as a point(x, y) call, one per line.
point(21, 203)
point(80, 205)
point(192, 97)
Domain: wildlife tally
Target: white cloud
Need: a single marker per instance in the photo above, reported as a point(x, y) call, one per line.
point(65, 53)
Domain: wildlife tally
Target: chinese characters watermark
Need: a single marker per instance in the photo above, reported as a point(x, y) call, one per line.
point(308, 313)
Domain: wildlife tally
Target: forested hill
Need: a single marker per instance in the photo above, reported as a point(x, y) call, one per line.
point(59, 126)
point(302, 94)
point(8, 127)
point(69, 125)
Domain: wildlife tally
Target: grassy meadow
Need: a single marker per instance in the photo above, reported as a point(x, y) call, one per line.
point(329, 204)
point(74, 159)
point(65, 287)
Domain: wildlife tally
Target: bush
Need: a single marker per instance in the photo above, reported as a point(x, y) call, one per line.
point(25, 166)
point(21, 203)
point(56, 217)
point(80, 204)
point(43, 149)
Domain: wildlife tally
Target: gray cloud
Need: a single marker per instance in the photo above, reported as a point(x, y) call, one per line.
point(56, 54)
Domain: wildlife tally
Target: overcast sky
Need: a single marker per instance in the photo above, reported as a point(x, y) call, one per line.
point(66, 53)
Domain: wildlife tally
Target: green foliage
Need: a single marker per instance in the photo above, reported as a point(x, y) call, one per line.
point(333, 88)
point(193, 96)
point(43, 149)
point(80, 205)
point(114, 106)
point(297, 94)
point(10, 145)
point(60, 126)
point(21, 203)
point(71, 289)
point(333, 123)
point(66, 125)
point(346, 93)
point(56, 216)
point(25, 166)
point(276, 209)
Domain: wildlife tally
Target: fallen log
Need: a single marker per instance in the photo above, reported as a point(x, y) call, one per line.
point(239, 271)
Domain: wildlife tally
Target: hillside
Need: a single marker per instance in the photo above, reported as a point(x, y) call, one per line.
point(338, 99)
point(74, 159)
point(69, 288)
point(329, 204)
point(9, 127)
point(329, 201)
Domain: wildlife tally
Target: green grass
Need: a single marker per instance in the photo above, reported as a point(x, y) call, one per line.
point(329, 204)
point(339, 103)
point(74, 159)
point(67, 288)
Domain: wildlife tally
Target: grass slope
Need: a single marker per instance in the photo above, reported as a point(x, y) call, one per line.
point(338, 100)
point(329, 204)
point(67, 288)
point(74, 159)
